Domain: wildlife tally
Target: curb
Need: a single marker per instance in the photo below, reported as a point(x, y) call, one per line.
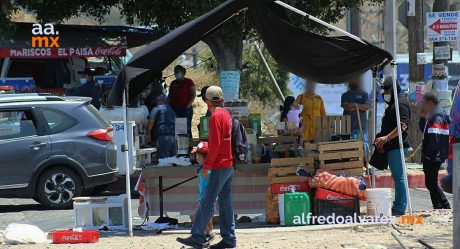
point(416, 180)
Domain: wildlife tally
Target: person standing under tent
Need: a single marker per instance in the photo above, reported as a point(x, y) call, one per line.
point(182, 94)
point(88, 88)
point(434, 123)
point(161, 127)
point(219, 161)
point(387, 141)
point(313, 106)
point(353, 99)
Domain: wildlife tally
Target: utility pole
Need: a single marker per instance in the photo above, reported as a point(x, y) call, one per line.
point(440, 6)
point(390, 27)
point(355, 21)
point(416, 40)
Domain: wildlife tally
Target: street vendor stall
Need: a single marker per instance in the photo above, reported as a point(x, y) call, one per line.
point(312, 56)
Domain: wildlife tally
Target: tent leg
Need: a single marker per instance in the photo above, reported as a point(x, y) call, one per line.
point(127, 162)
point(272, 77)
point(401, 147)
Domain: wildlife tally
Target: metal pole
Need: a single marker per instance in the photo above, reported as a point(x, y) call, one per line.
point(289, 7)
point(390, 27)
point(126, 149)
point(456, 191)
point(401, 147)
point(272, 77)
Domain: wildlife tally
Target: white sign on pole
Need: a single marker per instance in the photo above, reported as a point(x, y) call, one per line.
point(421, 58)
point(230, 84)
point(410, 7)
point(442, 26)
point(442, 53)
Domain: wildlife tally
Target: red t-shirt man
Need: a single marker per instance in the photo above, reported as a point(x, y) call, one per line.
point(182, 90)
point(220, 134)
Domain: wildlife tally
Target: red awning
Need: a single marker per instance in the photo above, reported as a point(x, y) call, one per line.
point(63, 52)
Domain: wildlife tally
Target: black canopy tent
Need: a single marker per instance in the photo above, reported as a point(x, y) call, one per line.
point(319, 58)
point(323, 59)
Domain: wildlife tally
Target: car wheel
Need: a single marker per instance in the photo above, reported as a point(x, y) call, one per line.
point(56, 188)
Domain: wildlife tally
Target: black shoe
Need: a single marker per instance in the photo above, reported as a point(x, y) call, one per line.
point(397, 213)
point(222, 245)
point(210, 237)
point(190, 242)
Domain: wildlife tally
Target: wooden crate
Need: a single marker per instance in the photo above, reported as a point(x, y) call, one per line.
point(283, 170)
point(341, 156)
point(329, 125)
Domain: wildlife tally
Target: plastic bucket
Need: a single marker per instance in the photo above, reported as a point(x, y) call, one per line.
point(378, 201)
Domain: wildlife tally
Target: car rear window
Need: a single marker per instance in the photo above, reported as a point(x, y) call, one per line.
point(58, 121)
point(96, 114)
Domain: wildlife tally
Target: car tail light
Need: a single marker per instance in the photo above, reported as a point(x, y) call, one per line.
point(102, 134)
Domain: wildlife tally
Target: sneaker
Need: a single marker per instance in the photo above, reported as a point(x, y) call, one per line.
point(190, 242)
point(222, 245)
point(397, 213)
point(210, 237)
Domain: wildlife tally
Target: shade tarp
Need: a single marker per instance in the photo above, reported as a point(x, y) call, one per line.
point(319, 58)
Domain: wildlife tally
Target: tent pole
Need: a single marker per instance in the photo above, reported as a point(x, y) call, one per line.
point(289, 7)
point(373, 124)
point(401, 147)
point(126, 149)
point(272, 77)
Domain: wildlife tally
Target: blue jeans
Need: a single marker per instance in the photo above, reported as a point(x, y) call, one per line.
point(166, 146)
point(219, 185)
point(396, 168)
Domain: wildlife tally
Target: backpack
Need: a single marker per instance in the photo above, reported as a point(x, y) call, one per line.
point(239, 142)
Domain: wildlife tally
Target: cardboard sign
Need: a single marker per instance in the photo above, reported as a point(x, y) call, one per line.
point(442, 26)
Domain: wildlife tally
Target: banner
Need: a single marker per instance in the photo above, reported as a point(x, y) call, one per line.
point(62, 52)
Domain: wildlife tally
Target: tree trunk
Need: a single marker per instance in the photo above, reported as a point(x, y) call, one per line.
point(228, 52)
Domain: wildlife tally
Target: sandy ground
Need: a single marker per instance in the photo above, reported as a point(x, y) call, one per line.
point(436, 230)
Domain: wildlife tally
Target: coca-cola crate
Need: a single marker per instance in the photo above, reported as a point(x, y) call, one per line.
point(328, 203)
point(282, 188)
point(75, 237)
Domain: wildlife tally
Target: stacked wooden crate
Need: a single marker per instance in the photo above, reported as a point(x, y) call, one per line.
point(332, 125)
point(283, 170)
point(339, 157)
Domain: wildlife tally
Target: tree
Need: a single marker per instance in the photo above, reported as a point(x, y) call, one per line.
point(226, 43)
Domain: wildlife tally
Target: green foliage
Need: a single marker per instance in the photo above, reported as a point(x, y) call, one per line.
point(255, 80)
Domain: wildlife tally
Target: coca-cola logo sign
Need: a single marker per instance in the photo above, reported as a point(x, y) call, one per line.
point(110, 51)
point(73, 237)
point(331, 197)
point(285, 188)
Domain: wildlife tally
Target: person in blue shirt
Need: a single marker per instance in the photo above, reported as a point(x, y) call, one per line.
point(201, 152)
point(161, 127)
point(354, 99)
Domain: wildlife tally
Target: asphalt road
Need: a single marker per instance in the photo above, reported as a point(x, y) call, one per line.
point(30, 212)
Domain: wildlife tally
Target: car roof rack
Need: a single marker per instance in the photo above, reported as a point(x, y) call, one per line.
point(27, 97)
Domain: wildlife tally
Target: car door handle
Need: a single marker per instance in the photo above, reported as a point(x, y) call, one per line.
point(37, 146)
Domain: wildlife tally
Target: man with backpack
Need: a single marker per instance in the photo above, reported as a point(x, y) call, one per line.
point(219, 161)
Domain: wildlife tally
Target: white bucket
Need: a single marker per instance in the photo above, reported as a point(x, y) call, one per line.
point(252, 136)
point(378, 201)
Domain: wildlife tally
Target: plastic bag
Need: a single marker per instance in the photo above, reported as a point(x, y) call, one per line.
point(272, 215)
point(16, 234)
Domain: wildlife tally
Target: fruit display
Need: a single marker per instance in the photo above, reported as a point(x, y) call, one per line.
point(344, 185)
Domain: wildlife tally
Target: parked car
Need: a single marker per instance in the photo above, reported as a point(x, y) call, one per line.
point(53, 148)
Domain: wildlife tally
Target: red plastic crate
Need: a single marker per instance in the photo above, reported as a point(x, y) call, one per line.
point(283, 188)
point(73, 237)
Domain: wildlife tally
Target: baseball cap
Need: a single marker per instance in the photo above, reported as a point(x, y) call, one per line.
point(162, 97)
point(203, 92)
point(202, 148)
point(214, 93)
point(87, 71)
